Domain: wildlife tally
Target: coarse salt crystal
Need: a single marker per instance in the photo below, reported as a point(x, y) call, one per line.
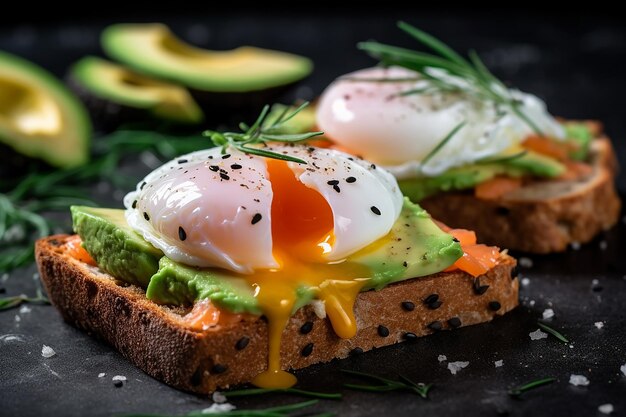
point(319, 308)
point(47, 352)
point(548, 313)
point(603, 245)
point(218, 397)
point(219, 408)
point(442, 358)
point(525, 282)
point(599, 324)
point(25, 309)
point(575, 245)
point(119, 378)
point(499, 363)
point(101, 375)
point(525, 262)
point(623, 369)
point(578, 380)
point(17, 318)
point(455, 367)
point(606, 408)
point(537, 335)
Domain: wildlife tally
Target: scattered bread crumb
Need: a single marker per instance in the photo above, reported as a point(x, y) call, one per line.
point(499, 363)
point(578, 380)
point(606, 408)
point(455, 367)
point(537, 335)
point(442, 358)
point(47, 352)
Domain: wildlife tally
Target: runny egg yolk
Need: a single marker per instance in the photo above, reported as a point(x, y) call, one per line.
point(302, 232)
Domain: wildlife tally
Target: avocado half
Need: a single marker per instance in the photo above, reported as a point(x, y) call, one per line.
point(39, 116)
point(241, 79)
point(115, 94)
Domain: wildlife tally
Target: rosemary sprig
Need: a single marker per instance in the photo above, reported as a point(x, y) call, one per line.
point(296, 391)
point(531, 385)
point(445, 68)
point(261, 132)
point(279, 411)
point(553, 332)
point(15, 301)
point(443, 142)
point(385, 385)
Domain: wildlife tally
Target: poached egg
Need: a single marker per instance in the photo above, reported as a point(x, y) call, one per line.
point(374, 120)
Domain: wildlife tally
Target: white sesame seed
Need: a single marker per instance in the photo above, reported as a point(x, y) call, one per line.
point(101, 375)
point(119, 378)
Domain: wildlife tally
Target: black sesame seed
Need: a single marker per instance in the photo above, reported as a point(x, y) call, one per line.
point(356, 351)
point(454, 322)
point(336, 188)
point(431, 298)
point(455, 240)
point(182, 161)
point(256, 218)
point(218, 369)
point(435, 326)
point(405, 264)
point(214, 168)
point(408, 306)
point(134, 204)
point(494, 305)
point(306, 327)
point(236, 166)
point(224, 176)
point(118, 384)
point(383, 331)
point(350, 180)
point(410, 337)
point(514, 272)
point(373, 166)
point(332, 182)
point(435, 305)
point(375, 210)
point(307, 350)
point(479, 289)
point(242, 343)
point(182, 235)
point(143, 184)
point(145, 216)
point(226, 156)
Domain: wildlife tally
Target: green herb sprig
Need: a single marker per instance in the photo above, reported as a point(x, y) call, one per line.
point(279, 411)
point(261, 132)
point(295, 391)
point(553, 332)
point(479, 81)
point(517, 391)
point(7, 303)
point(385, 385)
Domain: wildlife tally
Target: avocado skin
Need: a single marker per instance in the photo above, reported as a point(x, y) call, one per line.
point(115, 247)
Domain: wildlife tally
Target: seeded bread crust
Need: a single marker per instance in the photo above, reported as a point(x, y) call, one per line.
point(157, 340)
point(542, 217)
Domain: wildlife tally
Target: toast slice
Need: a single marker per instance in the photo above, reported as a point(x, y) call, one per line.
point(156, 338)
point(544, 216)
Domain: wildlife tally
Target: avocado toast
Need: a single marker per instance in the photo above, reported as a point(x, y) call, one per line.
point(232, 266)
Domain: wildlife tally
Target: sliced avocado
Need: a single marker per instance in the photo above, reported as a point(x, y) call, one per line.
point(536, 164)
point(153, 49)
point(581, 135)
point(110, 89)
point(414, 247)
point(180, 284)
point(116, 248)
point(39, 117)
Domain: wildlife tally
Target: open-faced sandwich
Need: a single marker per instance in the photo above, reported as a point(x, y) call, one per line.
point(472, 151)
point(236, 263)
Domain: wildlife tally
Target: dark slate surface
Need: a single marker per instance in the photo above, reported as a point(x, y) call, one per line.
point(575, 63)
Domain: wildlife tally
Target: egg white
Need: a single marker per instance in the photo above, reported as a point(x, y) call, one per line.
point(373, 120)
point(215, 205)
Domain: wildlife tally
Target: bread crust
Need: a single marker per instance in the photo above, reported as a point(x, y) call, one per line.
point(157, 340)
point(542, 217)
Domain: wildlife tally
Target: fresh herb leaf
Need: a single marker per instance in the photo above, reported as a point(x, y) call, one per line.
point(553, 332)
point(531, 385)
point(385, 385)
point(263, 131)
point(443, 142)
point(7, 303)
point(279, 411)
point(443, 69)
point(296, 391)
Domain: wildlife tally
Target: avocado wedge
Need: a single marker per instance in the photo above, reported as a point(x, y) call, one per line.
point(115, 94)
point(39, 117)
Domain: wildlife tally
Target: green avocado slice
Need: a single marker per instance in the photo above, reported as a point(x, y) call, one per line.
point(114, 83)
point(154, 50)
point(39, 117)
point(115, 246)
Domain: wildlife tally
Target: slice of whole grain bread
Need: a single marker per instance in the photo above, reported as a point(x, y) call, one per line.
point(157, 339)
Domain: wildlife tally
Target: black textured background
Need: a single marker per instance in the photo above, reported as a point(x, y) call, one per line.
point(575, 61)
